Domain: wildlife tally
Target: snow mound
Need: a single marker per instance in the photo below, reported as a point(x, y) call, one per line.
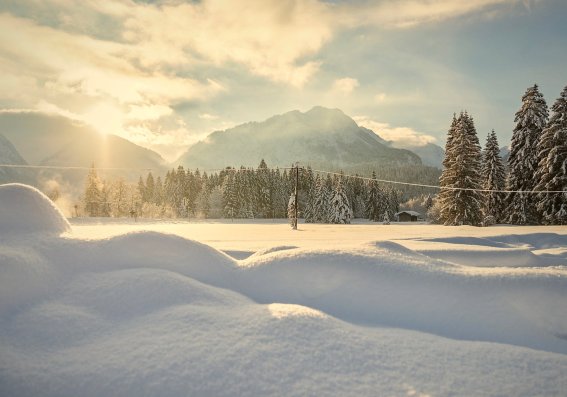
point(392, 286)
point(26, 210)
point(148, 313)
point(162, 251)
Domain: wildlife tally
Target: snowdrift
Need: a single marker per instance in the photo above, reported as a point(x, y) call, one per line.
point(154, 314)
point(25, 210)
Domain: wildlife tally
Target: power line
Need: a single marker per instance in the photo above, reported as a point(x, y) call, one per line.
point(60, 167)
point(439, 187)
point(230, 169)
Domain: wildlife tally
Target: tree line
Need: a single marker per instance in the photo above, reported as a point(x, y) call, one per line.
point(242, 193)
point(472, 179)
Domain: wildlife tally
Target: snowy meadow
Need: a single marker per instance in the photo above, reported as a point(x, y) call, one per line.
point(123, 308)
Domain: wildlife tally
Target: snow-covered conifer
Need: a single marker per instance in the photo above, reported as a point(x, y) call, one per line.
point(493, 178)
point(552, 169)
point(230, 203)
point(375, 200)
point(321, 201)
point(149, 191)
point(340, 211)
point(530, 120)
point(461, 201)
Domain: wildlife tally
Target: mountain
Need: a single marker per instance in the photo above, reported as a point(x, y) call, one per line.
point(44, 139)
point(321, 137)
point(505, 154)
point(9, 155)
point(430, 153)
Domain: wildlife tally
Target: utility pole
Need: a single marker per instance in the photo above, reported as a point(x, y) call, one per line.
point(295, 195)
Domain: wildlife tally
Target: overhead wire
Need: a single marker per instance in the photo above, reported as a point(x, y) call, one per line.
point(62, 167)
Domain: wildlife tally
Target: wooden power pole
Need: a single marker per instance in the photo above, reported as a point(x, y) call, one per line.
point(295, 196)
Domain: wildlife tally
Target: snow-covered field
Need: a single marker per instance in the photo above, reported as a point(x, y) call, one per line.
point(254, 308)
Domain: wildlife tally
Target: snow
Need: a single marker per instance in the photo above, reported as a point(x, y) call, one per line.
point(26, 210)
point(143, 308)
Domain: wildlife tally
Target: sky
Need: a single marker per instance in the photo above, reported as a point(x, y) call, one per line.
point(165, 74)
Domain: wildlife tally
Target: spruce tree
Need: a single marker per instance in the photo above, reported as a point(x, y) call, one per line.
point(263, 189)
point(447, 178)
point(461, 201)
point(340, 211)
point(375, 201)
point(150, 189)
point(523, 161)
point(321, 201)
point(310, 188)
point(230, 204)
point(551, 174)
point(493, 178)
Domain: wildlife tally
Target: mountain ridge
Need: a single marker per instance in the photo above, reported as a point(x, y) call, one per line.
point(320, 137)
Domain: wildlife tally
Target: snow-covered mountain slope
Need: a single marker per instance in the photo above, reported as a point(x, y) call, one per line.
point(430, 153)
point(321, 137)
point(44, 139)
point(10, 156)
point(148, 313)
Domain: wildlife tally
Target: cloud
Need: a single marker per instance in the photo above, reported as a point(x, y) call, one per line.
point(345, 85)
point(397, 135)
point(270, 38)
point(148, 112)
point(380, 97)
point(208, 116)
point(410, 13)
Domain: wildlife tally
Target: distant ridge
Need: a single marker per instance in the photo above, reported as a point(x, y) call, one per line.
point(44, 139)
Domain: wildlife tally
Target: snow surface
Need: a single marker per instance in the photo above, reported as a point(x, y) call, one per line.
point(24, 209)
point(146, 313)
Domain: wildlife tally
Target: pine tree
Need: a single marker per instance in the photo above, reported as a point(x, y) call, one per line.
point(523, 161)
point(310, 191)
point(321, 201)
point(461, 201)
point(551, 174)
point(150, 189)
point(340, 211)
point(494, 178)
point(158, 192)
point(230, 204)
point(93, 195)
point(375, 200)
point(263, 189)
point(104, 210)
point(447, 178)
point(393, 198)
